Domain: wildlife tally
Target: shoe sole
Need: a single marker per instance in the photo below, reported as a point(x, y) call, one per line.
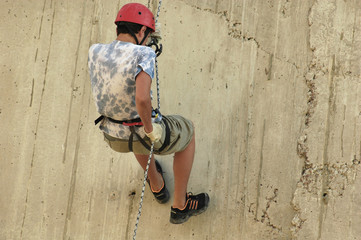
point(187, 216)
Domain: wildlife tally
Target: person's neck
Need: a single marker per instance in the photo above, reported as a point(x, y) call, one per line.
point(126, 38)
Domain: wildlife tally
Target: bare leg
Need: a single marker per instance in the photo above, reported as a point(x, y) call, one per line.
point(154, 176)
point(182, 166)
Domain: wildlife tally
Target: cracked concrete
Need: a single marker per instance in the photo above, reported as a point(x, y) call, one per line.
point(272, 86)
point(324, 182)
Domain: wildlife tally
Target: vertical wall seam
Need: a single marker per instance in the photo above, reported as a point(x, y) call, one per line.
point(260, 169)
point(38, 120)
point(75, 159)
point(325, 161)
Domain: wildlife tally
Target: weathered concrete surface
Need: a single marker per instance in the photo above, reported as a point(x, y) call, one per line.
point(273, 88)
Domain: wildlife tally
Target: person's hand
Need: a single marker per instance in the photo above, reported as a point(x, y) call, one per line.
point(156, 134)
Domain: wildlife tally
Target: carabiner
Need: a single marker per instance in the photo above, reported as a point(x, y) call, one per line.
point(158, 49)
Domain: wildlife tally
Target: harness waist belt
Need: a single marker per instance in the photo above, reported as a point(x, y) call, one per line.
point(132, 122)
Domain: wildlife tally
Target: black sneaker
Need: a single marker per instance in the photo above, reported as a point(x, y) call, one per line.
point(162, 196)
point(195, 205)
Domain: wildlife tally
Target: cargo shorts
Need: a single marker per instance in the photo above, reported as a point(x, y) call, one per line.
point(181, 134)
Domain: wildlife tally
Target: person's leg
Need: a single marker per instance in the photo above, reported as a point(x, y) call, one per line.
point(155, 178)
point(182, 166)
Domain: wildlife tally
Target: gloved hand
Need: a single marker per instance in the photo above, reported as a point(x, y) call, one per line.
point(156, 134)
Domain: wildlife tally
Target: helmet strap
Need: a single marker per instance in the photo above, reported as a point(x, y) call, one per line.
point(146, 33)
point(132, 33)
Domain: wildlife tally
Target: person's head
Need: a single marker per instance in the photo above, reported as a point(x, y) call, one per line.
point(135, 19)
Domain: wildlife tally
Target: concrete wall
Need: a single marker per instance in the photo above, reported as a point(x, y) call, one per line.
point(273, 87)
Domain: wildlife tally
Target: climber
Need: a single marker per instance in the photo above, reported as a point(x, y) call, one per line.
point(121, 74)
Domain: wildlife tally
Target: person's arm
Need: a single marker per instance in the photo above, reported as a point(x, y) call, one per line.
point(143, 101)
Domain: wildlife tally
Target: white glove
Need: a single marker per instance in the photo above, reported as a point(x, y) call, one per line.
point(156, 134)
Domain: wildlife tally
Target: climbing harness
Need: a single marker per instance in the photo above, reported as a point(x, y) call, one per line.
point(137, 122)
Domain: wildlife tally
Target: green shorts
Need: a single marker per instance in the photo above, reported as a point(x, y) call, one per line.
point(181, 134)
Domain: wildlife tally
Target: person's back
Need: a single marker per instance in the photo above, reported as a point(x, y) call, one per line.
point(113, 68)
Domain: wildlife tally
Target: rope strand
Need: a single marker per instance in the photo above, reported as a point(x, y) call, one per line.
point(156, 74)
point(159, 4)
point(156, 61)
point(142, 194)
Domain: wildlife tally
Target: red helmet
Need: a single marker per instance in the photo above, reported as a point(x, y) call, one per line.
point(136, 13)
